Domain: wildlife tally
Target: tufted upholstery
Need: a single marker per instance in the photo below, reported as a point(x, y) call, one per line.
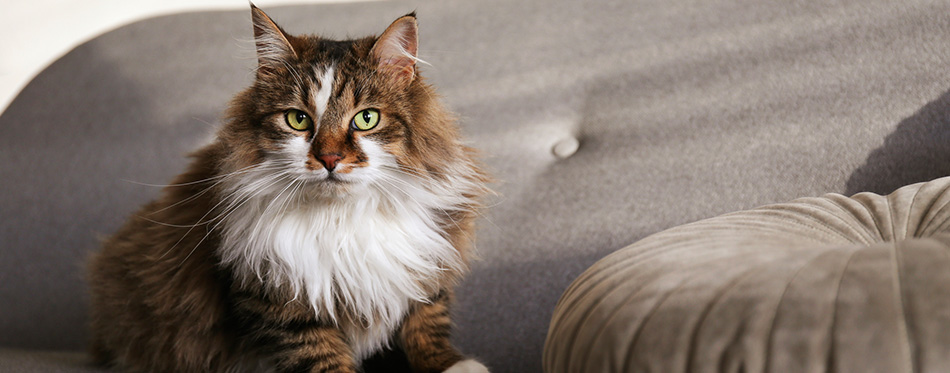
point(832, 283)
point(682, 110)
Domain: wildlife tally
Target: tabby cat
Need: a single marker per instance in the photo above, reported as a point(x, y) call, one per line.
point(328, 221)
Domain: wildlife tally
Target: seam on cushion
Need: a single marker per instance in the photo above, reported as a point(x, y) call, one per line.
point(940, 228)
point(603, 295)
point(829, 358)
point(612, 314)
point(646, 319)
point(573, 307)
point(626, 300)
point(837, 202)
point(784, 212)
point(890, 210)
point(583, 285)
point(778, 306)
point(930, 207)
point(649, 251)
point(771, 228)
point(877, 223)
point(944, 205)
point(721, 363)
point(720, 293)
point(787, 216)
point(902, 324)
point(910, 210)
point(820, 224)
point(839, 218)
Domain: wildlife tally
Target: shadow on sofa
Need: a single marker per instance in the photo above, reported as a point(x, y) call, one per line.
point(921, 139)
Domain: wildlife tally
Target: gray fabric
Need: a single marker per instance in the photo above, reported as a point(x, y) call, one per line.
point(684, 110)
point(817, 284)
point(33, 361)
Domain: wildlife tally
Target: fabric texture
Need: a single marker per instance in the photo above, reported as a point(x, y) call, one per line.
point(683, 110)
point(36, 361)
point(817, 284)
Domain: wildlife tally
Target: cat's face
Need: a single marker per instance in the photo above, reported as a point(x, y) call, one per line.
point(333, 115)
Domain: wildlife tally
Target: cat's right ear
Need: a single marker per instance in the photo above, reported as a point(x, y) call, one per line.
point(273, 44)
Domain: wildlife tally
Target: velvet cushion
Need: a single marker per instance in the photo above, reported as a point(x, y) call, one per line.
point(850, 284)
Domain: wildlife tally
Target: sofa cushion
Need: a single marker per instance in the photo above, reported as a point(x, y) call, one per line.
point(830, 283)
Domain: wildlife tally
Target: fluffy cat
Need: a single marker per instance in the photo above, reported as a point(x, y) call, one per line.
point(328, 221)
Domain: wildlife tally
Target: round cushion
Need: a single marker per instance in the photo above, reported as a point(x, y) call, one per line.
point(853, 284)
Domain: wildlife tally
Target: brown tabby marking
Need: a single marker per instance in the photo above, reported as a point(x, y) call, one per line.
point(170, 295)
point(425, 335)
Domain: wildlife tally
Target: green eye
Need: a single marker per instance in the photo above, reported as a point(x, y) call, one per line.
point(298, 120)
point(366, 119)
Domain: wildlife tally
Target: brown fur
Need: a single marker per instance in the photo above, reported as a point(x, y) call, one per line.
point(425, 335)
point(161, 300)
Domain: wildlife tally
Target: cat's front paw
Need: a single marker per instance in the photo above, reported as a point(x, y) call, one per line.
point(467, 366)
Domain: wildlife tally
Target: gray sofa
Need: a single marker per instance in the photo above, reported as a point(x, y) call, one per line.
point(682, 110)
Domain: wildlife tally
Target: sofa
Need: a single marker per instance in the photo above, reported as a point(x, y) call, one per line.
point(605, 123)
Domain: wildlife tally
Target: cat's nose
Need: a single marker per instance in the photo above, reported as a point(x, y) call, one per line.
point(329, 160)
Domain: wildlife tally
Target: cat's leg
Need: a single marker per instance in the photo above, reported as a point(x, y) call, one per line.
point(292, 337)
point(318, 349)
point(424, 336)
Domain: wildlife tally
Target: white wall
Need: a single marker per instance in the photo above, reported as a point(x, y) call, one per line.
point(37, 32)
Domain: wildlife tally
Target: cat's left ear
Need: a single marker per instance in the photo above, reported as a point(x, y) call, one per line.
point(273, 44)
point(396, 49)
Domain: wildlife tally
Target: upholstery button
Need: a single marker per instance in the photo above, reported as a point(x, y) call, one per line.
point(566, 147)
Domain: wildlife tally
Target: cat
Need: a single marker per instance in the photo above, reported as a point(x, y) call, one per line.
point(328, 220)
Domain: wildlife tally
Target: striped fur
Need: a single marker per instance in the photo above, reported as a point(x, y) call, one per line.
point(425, 335)
point(263, 257)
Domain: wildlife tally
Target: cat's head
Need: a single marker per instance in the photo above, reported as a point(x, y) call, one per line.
point(338, 115)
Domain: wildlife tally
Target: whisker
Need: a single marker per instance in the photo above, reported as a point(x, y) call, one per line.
point(262, 182)
point(172, 225)
point(245, 169)
point(263, 214)
point(297, 183)
point(389, 180)
point(213, 208)
point(467, 205)
point(470, 207)
point(251, 192)
point(224, 218)
point(202, 192)
point(205, 122)
point(415, 172)
point(205, 190)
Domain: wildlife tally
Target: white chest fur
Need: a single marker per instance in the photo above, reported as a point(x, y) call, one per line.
point(375, 252)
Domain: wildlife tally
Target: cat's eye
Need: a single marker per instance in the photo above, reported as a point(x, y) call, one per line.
point(298, 120)
point(366, 120)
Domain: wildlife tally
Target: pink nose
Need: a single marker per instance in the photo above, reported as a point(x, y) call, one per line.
point(329, 160)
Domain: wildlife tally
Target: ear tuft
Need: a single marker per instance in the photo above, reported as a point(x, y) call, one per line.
point(396, 49)
point(273, 44)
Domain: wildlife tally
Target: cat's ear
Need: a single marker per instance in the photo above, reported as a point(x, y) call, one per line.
point(396, 49)
point(273, 44)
